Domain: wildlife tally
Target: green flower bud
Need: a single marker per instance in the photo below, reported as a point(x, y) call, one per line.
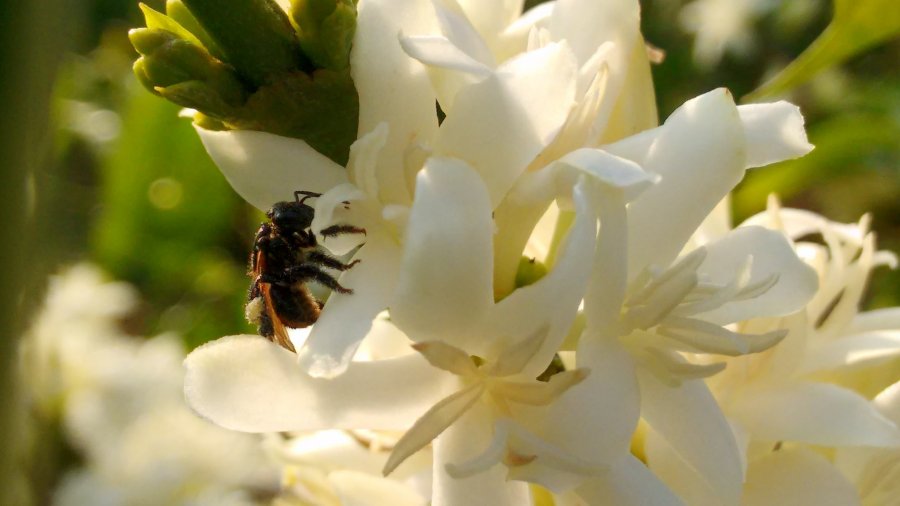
point(169, 60)
point(326, 29)
point(254, 36)
point(177, 11)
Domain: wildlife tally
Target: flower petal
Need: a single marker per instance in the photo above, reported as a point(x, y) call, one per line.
point(772, 255)
point(797, 476)
point(445, 286)
point(431, 424)
point(354, 488)
point(774, 132)
point(814, 413)
point(249, 384)
point(346, 318)
point(700, 156)
point(407, 104)
point(689, 419)
point(490, 18)
point(628, 483)
point(853, 351)
point(446, 357)
point(265, 168)
point(501, 123)
point(462, 441)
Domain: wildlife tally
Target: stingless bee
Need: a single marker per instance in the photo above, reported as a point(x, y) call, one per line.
point(284, 258)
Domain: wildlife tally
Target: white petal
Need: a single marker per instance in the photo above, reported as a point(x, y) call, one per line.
point(554, 299)
point(669, 467)
point(634, 107)
point(440, 52)
point(465, 439)
point(690, 420)
point(628, 483)
point(514, 39)
point(879, 319)
point(774, 133)
point(266, 168)
point(360, 489)
point(446, 357)
point(797, 477)
point(445, 286)
point(700, 156)
point(346, 318)
point(406, 104)
point(814, 413)
point(501, 123)
point(888, 402)
point(593, 420)
point(586, 24)
point(490, 18)
point(853, 351)
point(772, 255)
point(248, 384)
point(431, 424)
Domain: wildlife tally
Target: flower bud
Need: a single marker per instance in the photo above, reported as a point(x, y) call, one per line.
point(325, 30)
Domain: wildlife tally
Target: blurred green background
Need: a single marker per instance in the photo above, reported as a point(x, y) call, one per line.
point(129, 186)
point(125, 183)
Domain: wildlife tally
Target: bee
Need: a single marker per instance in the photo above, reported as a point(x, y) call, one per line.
point(284, 258)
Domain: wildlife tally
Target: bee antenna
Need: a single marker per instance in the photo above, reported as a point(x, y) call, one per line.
point(306, 195)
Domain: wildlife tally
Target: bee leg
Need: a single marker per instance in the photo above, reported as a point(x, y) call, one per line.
point(336, 230)
point(312, 272)
point(306, 195)
point(317, 257)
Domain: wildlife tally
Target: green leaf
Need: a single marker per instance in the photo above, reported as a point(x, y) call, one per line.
point(857, 25)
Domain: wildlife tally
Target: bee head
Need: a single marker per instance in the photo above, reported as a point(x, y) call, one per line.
point(291, 216)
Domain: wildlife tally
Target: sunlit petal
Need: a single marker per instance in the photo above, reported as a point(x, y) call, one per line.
point(774, 133)
point(249, 384)
point(266, 168)
point(627, 483)
point(797, 477)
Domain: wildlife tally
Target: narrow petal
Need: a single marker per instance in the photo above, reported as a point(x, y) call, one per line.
point(433, 423)
point(772, 256)
point(628, 483)
point(346, 318)
point(462, 441)
point(514, 358)
point(797, 477)
point(853, 351)
point(501, 123)
point(879, 319)
point(689, 419)
point(541, 393)
point(680, 477)
point(888, 402)
point(249, 384)
point(438, 51)
point(814, 413)
point(266, 168)
point(700, 156)
point(406, 105)
point(774, 133)
point(446, 357)
point(445, 286)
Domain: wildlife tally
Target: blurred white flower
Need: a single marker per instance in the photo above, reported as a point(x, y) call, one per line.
point(722, 26)
point(121, 404)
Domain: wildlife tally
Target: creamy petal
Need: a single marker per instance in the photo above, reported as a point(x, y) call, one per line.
point(360, 489)
point(680, 477)
point(445, 286)
point(814, 413)
point(628, 483)
point(406, 104)
point(462, 441)
point(266, 168)
point(249, 384)
point(689, 419)
point(346, 318)
point(490, 18)
point(501, 123)
point(774, 132)
point(797, 477)
point(772, 255)
point(700, 156)
point(853, 351)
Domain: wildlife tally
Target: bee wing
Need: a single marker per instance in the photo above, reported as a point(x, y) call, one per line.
point(281, 337)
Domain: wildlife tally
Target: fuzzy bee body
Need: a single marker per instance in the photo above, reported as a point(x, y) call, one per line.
point(284, 258)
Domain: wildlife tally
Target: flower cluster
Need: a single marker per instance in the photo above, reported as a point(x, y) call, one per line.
point(549, 297)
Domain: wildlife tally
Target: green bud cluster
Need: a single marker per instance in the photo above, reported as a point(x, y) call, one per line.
point(248, 64)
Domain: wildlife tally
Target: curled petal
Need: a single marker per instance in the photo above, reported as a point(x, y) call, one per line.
point(266, 168)
point(346, 318)
point(774, 132)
